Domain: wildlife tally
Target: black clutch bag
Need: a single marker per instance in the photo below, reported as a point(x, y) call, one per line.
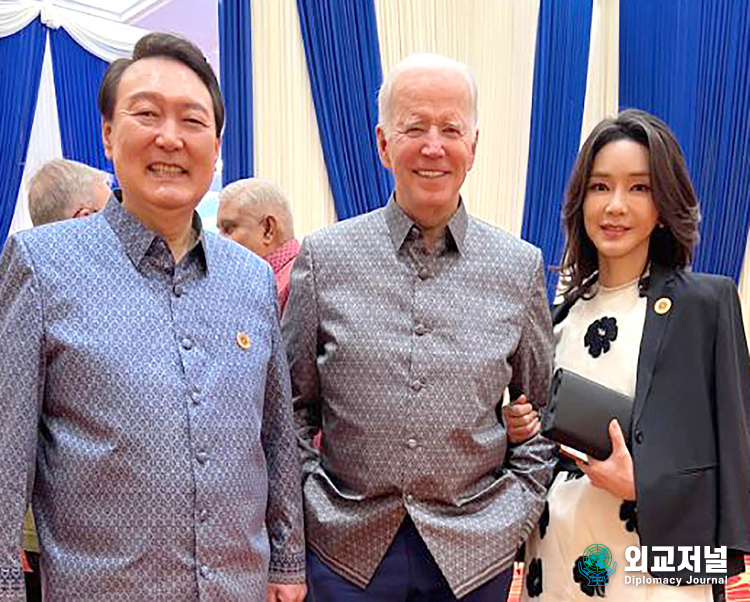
point(579, 412)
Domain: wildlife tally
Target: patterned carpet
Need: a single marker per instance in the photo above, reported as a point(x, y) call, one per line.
point(738, 588)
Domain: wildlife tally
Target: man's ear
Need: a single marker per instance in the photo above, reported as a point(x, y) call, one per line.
point(382, 143)
point(270, 228)
point(474, 148)
point(107, 138)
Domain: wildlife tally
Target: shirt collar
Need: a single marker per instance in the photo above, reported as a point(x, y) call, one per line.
point(399, 224)
point(283, 255)
point(137, 239)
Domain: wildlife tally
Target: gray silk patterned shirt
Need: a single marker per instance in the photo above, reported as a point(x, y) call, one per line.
point(401, 356)
point(153, 401)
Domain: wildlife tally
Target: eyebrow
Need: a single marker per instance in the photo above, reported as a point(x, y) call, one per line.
point(637, 174)
point(188, 104)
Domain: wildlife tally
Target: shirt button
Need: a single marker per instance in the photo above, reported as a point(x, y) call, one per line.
point(177, 289)
point(423, 273)
point(202, 456)
point(639, 436)
point(195, 398)
point(417, 385)
point(205, 571)
point(187, 343)
point(420, 329)
point(203, 516)
point(409, 498)
point(411, 444)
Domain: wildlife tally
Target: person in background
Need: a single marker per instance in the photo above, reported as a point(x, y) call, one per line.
point(256, 214)
point(636, 319)
point(62, 189)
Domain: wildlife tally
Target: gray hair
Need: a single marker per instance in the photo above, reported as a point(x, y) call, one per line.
point(430, 61)
point(256, 195)
point(60, 187)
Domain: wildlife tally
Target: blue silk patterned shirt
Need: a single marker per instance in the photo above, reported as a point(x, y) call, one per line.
point(400, 355)
point(144, 409)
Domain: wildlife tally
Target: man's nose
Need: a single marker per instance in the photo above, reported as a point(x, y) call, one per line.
point(169, 136)
point(433, 144)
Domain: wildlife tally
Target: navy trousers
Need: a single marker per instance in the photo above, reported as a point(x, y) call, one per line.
point(407, 573)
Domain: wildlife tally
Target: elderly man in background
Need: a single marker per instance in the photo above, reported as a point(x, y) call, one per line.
point(257, 214)
point(403, 329)
point(62, 189)
point(145, 393)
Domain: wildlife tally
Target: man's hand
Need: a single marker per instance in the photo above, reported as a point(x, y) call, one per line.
point(278, 592)
point(521, 420)
point(615, 474)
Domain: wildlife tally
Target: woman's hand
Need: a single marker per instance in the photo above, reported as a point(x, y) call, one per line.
point(521, 420)
point(615, 474)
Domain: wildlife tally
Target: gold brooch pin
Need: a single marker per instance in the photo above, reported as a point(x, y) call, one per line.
point(243, 340)
point(663, 305)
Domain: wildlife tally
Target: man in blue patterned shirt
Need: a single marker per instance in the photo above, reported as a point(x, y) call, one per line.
point(145, 394)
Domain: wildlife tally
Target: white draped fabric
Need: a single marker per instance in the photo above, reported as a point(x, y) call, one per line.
point(101, 37)
point(105, 39)
point(286, 140)
point(744, 287)
point(497, 40)
point(44, 144)
point(602, 89)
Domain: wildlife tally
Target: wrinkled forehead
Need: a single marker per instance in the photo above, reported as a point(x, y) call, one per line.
point(164, 77)
point(433, 92)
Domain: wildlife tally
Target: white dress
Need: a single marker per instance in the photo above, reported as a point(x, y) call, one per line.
point(579, 513)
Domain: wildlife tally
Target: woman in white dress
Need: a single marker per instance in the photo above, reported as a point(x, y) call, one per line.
point(631, 312)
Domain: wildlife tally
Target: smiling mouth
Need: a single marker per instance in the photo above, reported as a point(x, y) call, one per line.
point(615, 230)
point(430, 174)
point(163, 169)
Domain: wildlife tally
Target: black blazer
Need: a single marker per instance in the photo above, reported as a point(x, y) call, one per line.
point(690, 433)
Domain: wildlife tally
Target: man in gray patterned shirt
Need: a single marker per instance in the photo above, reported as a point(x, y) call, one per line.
point(403, 329)
point(144, 392)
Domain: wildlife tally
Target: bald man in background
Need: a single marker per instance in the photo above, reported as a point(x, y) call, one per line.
point(256, 214)
point(62, 189)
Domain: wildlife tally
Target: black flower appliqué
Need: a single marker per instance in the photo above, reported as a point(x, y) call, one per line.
point(583, 581)
point(599, 335)
point(534, 578)
point(629, 516)
point(544, 521)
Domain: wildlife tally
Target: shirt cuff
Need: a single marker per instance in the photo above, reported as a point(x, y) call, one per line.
point(287, 569)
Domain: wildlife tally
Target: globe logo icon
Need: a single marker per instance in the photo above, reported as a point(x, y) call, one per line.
point(596, 565)
point(597, 558)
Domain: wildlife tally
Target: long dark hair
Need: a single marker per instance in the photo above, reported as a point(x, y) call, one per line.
point(673, 240)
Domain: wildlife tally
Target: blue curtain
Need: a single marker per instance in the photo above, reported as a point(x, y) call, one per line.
point(78, 75)
point(21, 58)
point(687, 61)
point(343, 60)
point(235, 49)
point(561, 64)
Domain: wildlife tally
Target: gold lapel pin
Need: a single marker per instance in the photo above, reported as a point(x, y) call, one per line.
point(663, 305)
point(243, 340)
